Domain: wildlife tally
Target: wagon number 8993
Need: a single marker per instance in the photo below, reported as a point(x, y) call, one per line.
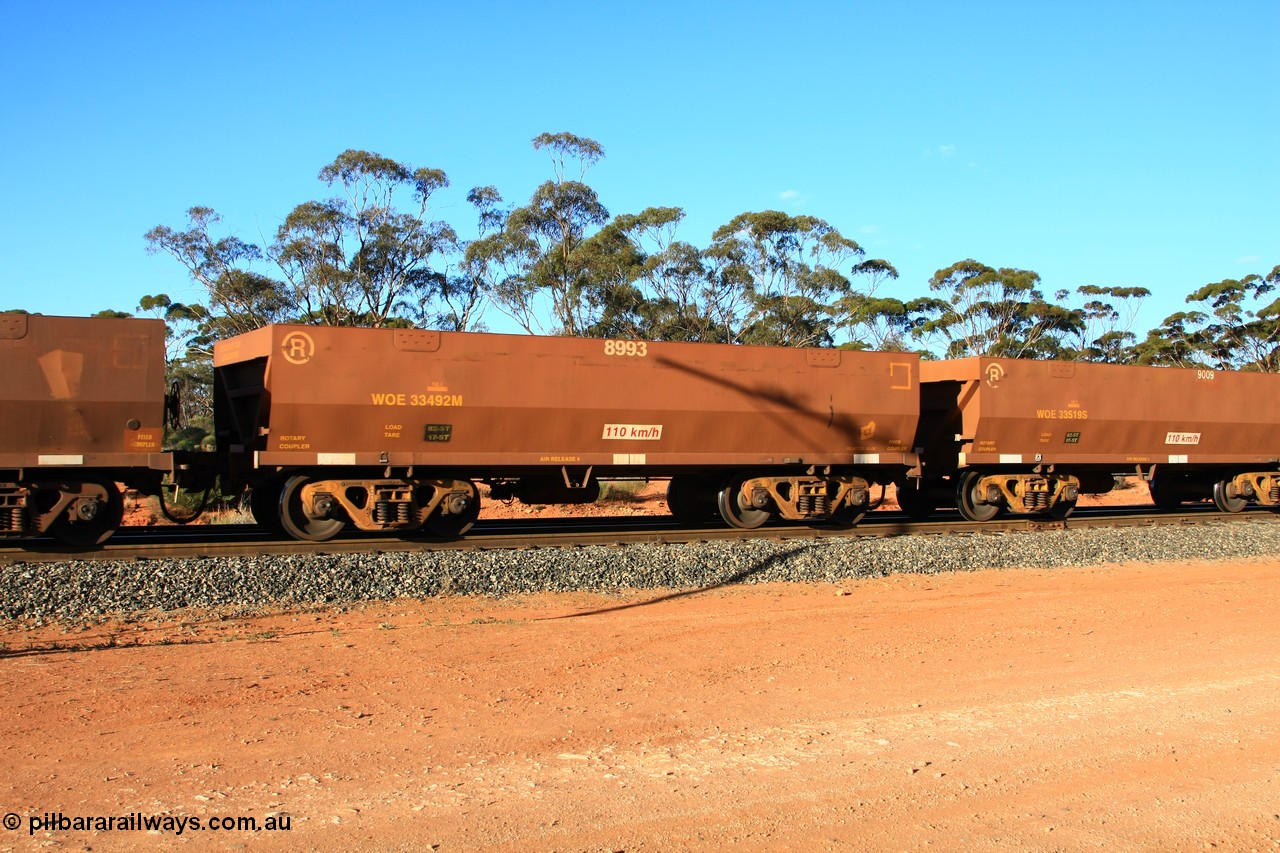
point(636, 349)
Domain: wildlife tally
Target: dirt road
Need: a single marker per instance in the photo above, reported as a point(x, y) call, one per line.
point(1131, 707)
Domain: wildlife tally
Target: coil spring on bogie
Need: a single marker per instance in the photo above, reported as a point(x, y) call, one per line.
point(1274, 494)
point(1036, 500)
point(388, 512)
point(15, 519)
point(812, 504)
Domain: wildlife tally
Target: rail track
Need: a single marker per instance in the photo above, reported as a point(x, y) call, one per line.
point(141, 543)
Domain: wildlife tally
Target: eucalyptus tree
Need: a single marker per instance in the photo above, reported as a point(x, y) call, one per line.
point(240, 299)
point(1107, 315)
point(463, 292)
point(186, 326)
point(980, 310)
point(1245, 332)
point(536, 265)
point(611, 301)
point(688, 300)
point(646, 284)
point(872, 320)
point(1176, 342)
point(787, 271)
point(358, 259)
point(189, 339)
point(1237, 327)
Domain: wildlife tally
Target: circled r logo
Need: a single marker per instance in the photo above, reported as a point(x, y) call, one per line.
point(994, 374)
point(297, 347)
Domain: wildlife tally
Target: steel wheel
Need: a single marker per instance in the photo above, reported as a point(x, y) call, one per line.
point(294, 519)
point(691, 499)
point(847, 516)
point(1226, 502)
point(264, 505)
point(85, 532)
point(912, 499)
point(1061, 509)
point(1164, 494)
point(729, 502)
point(967, 499)
point(454, 524)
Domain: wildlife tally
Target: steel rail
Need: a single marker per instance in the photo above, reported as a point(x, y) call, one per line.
point(153, 543)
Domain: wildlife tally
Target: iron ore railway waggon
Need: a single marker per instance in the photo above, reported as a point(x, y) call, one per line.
point(83, 409)
point(393, 429)
point(390, 429)
point(1001, 434)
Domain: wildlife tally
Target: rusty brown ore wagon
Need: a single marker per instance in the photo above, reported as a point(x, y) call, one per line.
point(83, 409)
point(1030, 436)
point(391, 429)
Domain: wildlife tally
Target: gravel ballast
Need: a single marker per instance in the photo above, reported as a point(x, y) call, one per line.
point(88, 590)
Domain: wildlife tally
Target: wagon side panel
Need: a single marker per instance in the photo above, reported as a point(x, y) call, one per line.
point(457, 400)
point(80, 392)
point(1025, 412)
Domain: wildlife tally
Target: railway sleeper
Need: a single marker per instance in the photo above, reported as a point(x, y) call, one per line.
point(386, 504)
point(1028, 493)
point(805, 498)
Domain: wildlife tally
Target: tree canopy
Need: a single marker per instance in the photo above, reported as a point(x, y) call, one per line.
point(375, 250)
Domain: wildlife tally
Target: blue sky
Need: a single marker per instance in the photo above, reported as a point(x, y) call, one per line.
point(1109, 143)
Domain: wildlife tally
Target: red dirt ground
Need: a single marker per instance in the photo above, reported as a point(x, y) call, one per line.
point(1121, 707)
